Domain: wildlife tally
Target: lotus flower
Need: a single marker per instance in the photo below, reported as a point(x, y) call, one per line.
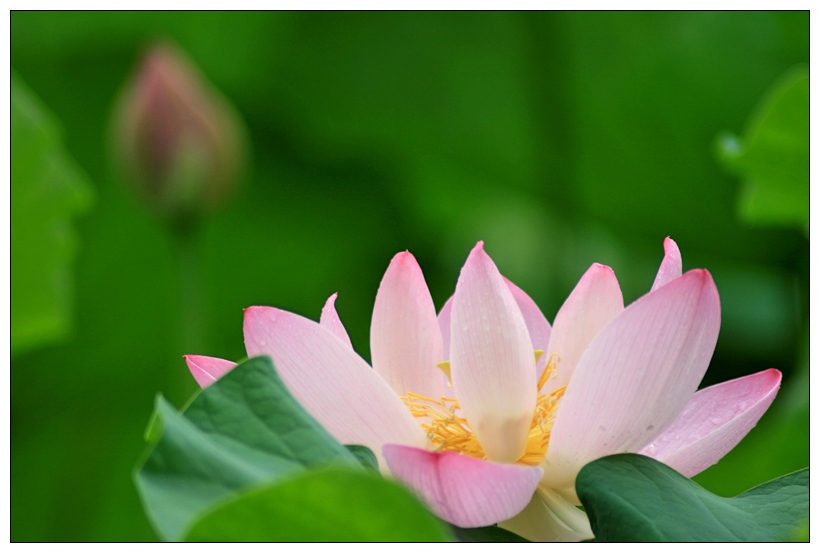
point(488, 413)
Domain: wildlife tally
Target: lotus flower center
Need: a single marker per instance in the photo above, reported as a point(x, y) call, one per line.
point(447, 430)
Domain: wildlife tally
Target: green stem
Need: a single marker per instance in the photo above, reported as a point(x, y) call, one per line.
point(190, 288)
point(186, 243)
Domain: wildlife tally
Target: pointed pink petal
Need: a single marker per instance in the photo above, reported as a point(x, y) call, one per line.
point(594, 302)
point(405, 338)
point(636, 376)
point(713, 422)
point(550, 517)
point(333, 383)
point(331, 321)
point(491, 359)
point(444, 325)
point(207, 370)
point(671, 266)
point(537, 324)
point(464, 491)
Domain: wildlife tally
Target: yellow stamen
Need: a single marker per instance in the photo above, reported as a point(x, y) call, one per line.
point(549, 370)
point(445, 368)
point(449, 431)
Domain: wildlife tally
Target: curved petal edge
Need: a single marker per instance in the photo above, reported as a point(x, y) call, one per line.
point(405, 338)
point(330, 380)
point(444, 325)
point(464, 491)
point(331, 321)
point(207, 370)
point(592, 304)
point(537, 324)
point(550, 518)
point(713, 422)
point(671, 266)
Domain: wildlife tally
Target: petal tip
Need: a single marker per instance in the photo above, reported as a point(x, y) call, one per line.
point(330, 303)
point(477, 256)
point(256, 317)
point(603, 268)
point(401, 266)
point(258, 310)
point(775, 375)
point(403, 257)
point(709, 283)
point(703, 277)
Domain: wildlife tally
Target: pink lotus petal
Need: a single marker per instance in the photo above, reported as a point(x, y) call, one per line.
point(537, 324)
point(464, 491)
point(444, 325)
point(671, 266)
point(207, 370)
point(491, 359)
point(550, 517)
point(714, 421)
point(594, 302)
point(331, 321)
point(636, 376)
point(334, 384)
point(405, 339)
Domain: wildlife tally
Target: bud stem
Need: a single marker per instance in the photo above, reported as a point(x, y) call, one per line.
point(186, 245)
point(190, 287)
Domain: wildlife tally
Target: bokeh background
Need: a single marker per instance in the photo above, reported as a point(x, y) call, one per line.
point(560, 139)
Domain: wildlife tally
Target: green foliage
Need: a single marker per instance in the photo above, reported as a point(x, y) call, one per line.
point(243, 430)
point(772, 157)
point(329, 505)
point(802, 532)
point(631, 498)
point(240, 465)
point(365, 456)
point(487, 534)
point(47, 191)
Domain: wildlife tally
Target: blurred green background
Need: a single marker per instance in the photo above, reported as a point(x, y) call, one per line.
point(561, 139)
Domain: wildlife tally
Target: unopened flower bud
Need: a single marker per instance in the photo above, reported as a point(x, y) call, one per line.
point(177, 140)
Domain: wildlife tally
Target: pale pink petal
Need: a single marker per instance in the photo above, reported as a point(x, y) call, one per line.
point(550, 517)
point(444, 325)
point(713, 422)
point(207, 370)
point(594, 302)
point(463, 490)
point(331, 321)
point(636, 376)
point(671, 266)
point(334, 384)
point(491, 359)
point(405, 338)
point(537, 324)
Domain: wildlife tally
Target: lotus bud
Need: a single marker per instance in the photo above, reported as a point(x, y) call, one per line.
point(178, 142)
